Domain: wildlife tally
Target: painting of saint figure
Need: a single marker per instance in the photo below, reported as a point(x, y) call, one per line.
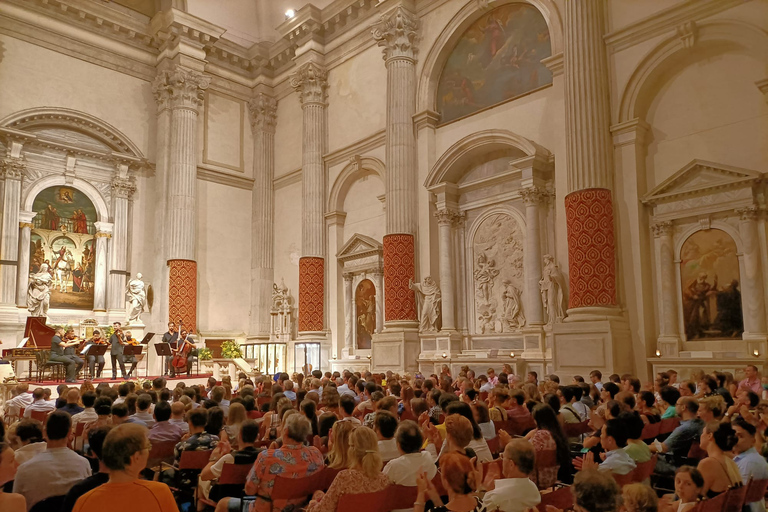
point(496, 59)
point(365, 313)
point(709, 271)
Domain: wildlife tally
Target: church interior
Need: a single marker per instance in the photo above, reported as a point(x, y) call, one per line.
point(391, 185)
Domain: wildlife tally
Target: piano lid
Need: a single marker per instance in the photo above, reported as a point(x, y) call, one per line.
point(39, 333)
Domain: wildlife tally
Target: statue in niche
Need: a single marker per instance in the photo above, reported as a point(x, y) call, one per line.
point(485, 273)
point(429, 297)
point(512, 318)
point(487, 321)
point(136, 297)
point(280, 295)
point(552, 285)
point(39, 292)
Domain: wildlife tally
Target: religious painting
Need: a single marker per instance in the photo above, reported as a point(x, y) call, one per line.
point(62, 242)
point(497, 274)
point(709, 273)
point(365, 312)
point(498, 58)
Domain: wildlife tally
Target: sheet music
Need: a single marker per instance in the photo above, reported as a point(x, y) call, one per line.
point(23, 342)
point(86, 348)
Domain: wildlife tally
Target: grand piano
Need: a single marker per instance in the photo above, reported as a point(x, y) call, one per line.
point(37, 337)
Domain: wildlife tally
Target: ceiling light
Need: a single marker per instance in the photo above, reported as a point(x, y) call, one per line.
point(290, 13)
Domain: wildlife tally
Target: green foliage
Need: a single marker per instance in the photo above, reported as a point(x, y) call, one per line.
point(204, 353)
point(230, 349)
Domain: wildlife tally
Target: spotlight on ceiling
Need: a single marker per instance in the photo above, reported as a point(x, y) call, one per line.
point(290, 13)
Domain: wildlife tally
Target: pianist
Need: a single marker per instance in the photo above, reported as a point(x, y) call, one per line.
point(58, 345)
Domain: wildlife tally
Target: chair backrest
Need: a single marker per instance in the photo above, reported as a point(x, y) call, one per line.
point(644, 470)
point(263, 400)
point(234, 474)
point(695, 451)
point(715, 504)
point(734, 498)
point(39, 415)
point(192, 459)
point(493, 445)
point(370, 502)
point(576, 429)
point(298, 488)
point(623, 480)
point(487, 466)
point(161, 451)
point(755, 490)
point(400, 497)
point(650, 431)
point(51, 504)
point(667, 425)
point(561, 498)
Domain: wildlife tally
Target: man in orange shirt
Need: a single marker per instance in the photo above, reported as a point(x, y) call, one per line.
point(125, 453)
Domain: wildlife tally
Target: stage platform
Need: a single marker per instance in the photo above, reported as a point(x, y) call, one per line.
point(195, 378)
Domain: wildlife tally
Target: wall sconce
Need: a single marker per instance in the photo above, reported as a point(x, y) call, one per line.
point(658, 353)
point(290, 13)
point(756, 353)
point(512, 354)
point(333, 357)
point(369, 357)
point(445, 355)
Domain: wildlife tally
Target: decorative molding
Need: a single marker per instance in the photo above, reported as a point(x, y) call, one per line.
point(426, 118)
point(688, 33)
point(180, 88)
point(263, 112)
point(446, 217)
point(123, 187)
point(555, 63)
point(630, 132)
point(206, 173)
point(663, 228)
point(12, 168)
point(763, 86)
point(359, 147)
point(397, 32)
point(750, 213)
point(311, 83)
point(533, 195)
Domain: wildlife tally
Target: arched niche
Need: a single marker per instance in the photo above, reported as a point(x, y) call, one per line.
point(365, 314)
point(93, 194)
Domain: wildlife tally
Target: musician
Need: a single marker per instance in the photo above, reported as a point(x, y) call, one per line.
point(131, 358)
point(93, 359)
point(117, 340)
point(57, 354)
point(185, 343)
point(171, 337)
point(70, 351)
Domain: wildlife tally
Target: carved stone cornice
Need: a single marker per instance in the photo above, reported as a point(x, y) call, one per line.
point(397, 33)
point(123, 187)
point(180, 88)
point(661, 229)
point(748, 213)
point(263, 110)
point(12, 168)
point(533, 195)
point(311, 82)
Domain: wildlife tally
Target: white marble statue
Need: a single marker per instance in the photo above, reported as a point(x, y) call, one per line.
point(39, 292)
point(485, 274)
point(512, 317)
point(429, 297)
point(136, 296)
point(552, 285)
point(280, 296)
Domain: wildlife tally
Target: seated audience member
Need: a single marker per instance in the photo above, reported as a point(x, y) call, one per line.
point(95, 444)
point(199, 439)
point(291, 460)
point(143, 416)
point(347, 409)
point(458, 478)
point(72, 406)
point(384, 426)
point(125, 453)
point(679, 441)
point(688, 388)
point(28, 440)
point(433, 402)
point(669, 397)
point(746, 401)
point(9, 502)
point(338, 445)
point(636, 447)
point(177, 417)
point(39, 403)
point(516, 409)
point(308, 409)
point(235, 418)
point(750, 463)
point(248, 435)
point(483, 420)
point(646, 406)
point(515, 492)
point(547, 436)
point(458, 435)
point(718, 469)
point(163, 429)
point(363, 476)
point(639, 498)
point(595, 491)
point(88, 414)
point(613, 439)
point(412, 461)
point(688, 485)
point(288, 390)
point(54, 471)
point(22, 400)
point(711, 409)
point(500, 397)
point(586, 395)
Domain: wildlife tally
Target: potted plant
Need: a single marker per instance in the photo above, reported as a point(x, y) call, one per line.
point(204, 354)
point(231, 350)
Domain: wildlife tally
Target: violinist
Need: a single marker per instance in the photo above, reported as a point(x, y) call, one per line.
point(117, 340)
point(131, 358)
point(93, 359)
point(70, 342)
point(171, 337)
point(60, 343)
point(183, 353)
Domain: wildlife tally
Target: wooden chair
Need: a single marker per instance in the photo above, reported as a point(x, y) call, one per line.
point(623, 480)
point(650, 432)
point(263, 400)
point(561, 498)
point(734, 498)
point(400, 497)
point(667, 425)
point(644, 470)
point(299, 488)
point(545, 459)
point(194, 460)
point(755, 490)
point(493, 445)
point(42, 359)
point(230, 484)
point(370, 502)
point(715, 504)
point(695, 452)
point(488, 465)
point(161, 452)
point(79, 428)
point(39, 415)
point(577, 429)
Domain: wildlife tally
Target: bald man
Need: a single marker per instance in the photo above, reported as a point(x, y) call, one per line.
point(73, 403)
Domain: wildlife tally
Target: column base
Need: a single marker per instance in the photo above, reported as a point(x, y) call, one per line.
point(593, 314)
point(441, 345)
point(580, 347)
point(395, 350)
point(668, 346)
point(534, 343)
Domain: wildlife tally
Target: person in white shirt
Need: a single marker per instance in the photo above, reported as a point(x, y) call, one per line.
point(89, 413)
point(27, 440)
point(39, 403)
point(22, 400)
point(54, 471)
point(613, 438)
point(412, 461)
point(485, 386)
point(347, 409)
point(515, 492)
point(596, 376)
point(385, 425)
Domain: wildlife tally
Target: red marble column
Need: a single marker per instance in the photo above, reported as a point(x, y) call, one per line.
point(182, 293)
point(591, 248)
point(399, 300)
point(311, 293)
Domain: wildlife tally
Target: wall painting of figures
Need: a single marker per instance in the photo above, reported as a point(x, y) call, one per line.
point(709, 272)
point(365, 312)
point(498, 58)
point(62, 242)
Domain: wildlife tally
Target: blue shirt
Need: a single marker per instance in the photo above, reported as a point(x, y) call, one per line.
point(752, 465)
point(679, 441)
point(618, 462)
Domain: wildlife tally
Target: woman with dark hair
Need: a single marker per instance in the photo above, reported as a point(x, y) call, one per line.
point(718, 469)
point(215, 424)
point(646, 406)
point(549, 435)
point(553, 401)
point(478, 444)
point(688, 484)
point(459, 480)
point(309, 410)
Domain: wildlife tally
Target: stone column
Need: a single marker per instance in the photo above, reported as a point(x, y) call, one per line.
point(589, 204)
point(396, 33)
point(25, 238)
point(311, 82)
point(11, 171)
point(263, 120)
point(123, 189)
point(666, 285)
point(378, 281)
point(349, 314)
point(103, 233)
point(534, 311)
point(445, 220)
point(184, 90)
point(753, 295)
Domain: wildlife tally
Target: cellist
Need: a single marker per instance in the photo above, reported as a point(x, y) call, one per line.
point(183, 354)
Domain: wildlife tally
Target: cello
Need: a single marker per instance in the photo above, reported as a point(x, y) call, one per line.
point(179, 361)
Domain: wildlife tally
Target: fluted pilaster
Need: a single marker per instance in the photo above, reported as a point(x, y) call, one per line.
point(533, 197)
point(122, 193)
point(103, 234)
point(25, 237)
point(751, 285)
point(445, 221)
point(263, 111)
point(11, 172)
point(666, 282)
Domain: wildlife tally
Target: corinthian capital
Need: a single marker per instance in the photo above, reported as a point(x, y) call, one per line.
point(311, 82)
point(663, 228)
point(263, 111)
point(123, 187)
point(396, 33)
point(532, 195)
point(179, 87)
point(446, 217)
point(12, 168)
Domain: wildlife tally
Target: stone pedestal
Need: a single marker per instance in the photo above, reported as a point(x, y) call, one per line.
point(580, 347)
point(396, 350)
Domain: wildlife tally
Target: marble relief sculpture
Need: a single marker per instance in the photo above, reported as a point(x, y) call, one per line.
point(39, 292)
point(512, 318)
point(281, 313)
point(429, 298)
point(485, 273)
point(136, 296)
point(552, 285)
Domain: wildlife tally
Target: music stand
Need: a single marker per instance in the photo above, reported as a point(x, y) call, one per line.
point(147, 338)
point(163, 350)
point(134, 350)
